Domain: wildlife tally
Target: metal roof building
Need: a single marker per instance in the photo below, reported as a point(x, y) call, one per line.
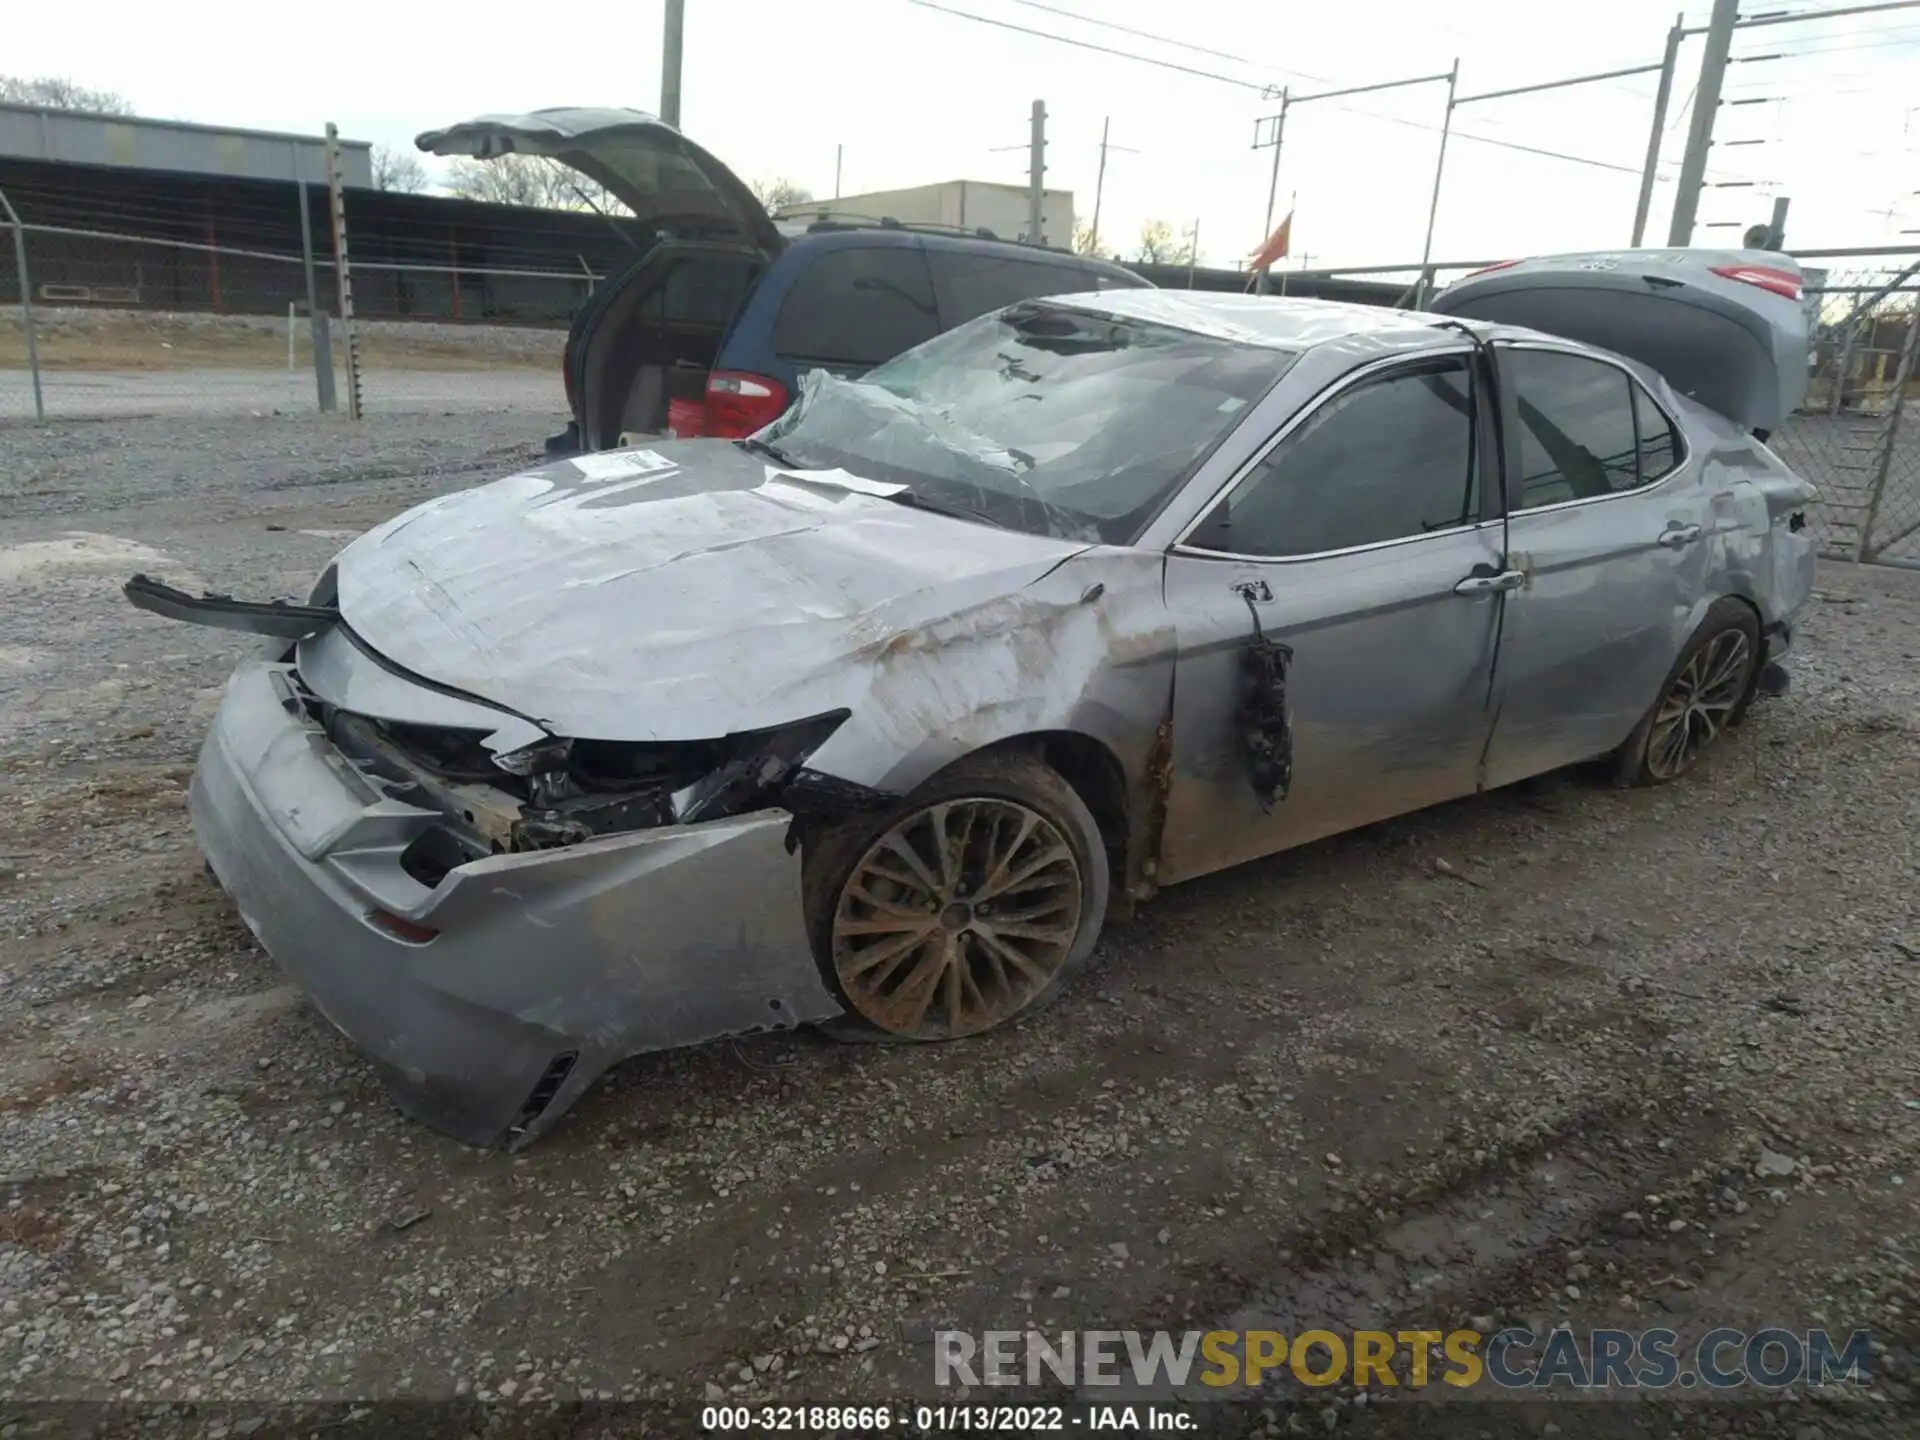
point(77, 137)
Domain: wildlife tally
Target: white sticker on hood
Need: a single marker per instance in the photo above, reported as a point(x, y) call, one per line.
point(621, 464)
point(837, 479)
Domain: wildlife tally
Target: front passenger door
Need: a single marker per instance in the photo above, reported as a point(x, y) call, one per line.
point(1364, 539)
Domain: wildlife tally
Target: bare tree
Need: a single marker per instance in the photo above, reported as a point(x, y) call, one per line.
point(60, 93)
point(397, 170)
point(1087, 242)
point(1158, 246)
point(529, 180)
point(778, 192)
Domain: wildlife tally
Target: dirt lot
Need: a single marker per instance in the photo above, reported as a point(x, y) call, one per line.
point(1556, 1054)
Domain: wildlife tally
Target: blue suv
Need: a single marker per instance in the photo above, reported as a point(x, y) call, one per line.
point(709, 330)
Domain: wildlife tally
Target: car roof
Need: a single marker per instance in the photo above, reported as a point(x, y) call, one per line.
point(942, 238)
point(1276, 321)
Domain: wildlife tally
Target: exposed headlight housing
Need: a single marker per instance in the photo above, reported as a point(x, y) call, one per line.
point(578, 789)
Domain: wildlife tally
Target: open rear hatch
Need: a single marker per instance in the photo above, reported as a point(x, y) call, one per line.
point(1727, 328)
point(642, 345)
point(647, 165)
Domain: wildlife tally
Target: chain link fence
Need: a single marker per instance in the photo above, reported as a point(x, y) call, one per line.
point(1857, 436)
point(124, 326)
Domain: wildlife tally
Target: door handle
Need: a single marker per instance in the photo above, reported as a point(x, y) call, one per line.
point(1678, 537)
point(1491, 584)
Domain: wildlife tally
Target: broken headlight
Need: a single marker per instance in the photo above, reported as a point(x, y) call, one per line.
point(579, 789)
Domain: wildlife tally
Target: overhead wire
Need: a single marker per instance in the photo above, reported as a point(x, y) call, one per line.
point(1267, 91)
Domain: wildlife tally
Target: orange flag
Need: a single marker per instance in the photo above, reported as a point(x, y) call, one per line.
point(1276, 246)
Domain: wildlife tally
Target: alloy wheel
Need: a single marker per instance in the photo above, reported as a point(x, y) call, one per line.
point(957, 918)
point(1696, 706)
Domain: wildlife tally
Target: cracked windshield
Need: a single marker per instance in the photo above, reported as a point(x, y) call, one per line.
point(1043, 418)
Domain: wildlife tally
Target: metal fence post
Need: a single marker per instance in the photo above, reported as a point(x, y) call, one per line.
point(26, 304)
point(342, 273)
point(1888, 440)
point(317, 331)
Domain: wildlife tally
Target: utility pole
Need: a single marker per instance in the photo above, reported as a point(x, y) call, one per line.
point(1263, 137)
point(1036, 176)
point(1439, 168)
point(670, 46)
point(1706, 104)
point(1660, 98)
point(839, 154)
point(1100, 184)
point(1263, 279)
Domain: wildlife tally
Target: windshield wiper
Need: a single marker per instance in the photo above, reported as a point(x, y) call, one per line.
point(771, 451)
point(940, 507)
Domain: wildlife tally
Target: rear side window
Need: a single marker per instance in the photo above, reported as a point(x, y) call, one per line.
point(858, 305)
point(1659, 444)
point(970, 283)
point(1577, 435)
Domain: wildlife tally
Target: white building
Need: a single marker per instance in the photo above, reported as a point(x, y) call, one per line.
point(962, 204)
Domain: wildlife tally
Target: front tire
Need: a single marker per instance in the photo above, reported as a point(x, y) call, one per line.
point(1706, 692)
point(963, 907)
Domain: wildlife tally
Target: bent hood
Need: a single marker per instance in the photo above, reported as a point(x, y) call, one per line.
point(676, 593)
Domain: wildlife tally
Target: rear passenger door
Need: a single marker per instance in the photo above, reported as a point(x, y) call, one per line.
point(970, 283)
point(854, 306)
point(1610, 527)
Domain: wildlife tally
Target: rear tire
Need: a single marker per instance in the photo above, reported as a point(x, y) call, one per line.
point(1705, 694)
point(961, 908)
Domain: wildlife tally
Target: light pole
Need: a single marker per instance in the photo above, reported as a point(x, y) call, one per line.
point(1263, 137)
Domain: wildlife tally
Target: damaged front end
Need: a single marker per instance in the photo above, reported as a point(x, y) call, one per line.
point(561, 792)
point(492, 913)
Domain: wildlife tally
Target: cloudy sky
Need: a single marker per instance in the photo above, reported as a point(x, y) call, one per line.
point(917, 94)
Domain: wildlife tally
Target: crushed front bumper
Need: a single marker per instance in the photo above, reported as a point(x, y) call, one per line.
point(543, 969)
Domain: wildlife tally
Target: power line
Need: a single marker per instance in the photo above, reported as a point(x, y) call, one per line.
point(1168, 40)
point(1264, 89)
point(1895, 38)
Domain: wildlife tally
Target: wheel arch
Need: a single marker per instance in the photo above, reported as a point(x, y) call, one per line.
point(1117, 793)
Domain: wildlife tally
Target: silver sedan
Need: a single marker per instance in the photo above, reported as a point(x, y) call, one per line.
point(872, 719)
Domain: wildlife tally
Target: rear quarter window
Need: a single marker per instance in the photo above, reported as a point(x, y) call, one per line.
point(703, 290)
point(967, 284)
point(858, 305)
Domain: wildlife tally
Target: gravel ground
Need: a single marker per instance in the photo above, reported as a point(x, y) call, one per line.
point(1556, 1054)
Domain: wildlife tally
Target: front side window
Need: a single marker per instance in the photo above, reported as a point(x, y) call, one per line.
point(1577, 433)
point(1041, 417)
point(1386, 459)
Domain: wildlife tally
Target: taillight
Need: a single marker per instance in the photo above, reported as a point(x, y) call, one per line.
point(1489, 269)
point(402, 928)
point(739, 404)
point(686, 419)
point(1780, 282)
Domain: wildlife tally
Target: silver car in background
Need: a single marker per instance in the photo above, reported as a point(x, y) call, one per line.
point(871, 719)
